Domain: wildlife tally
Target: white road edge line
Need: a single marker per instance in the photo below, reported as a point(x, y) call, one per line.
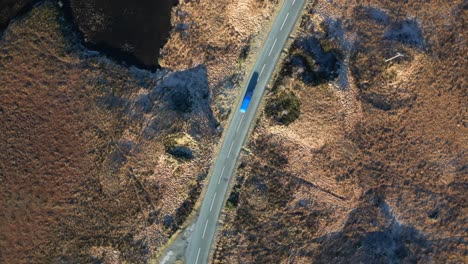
point(212, 202)
point(198, 255)
point(204, 230)
point(294, 2)
point(286, 18)
point(221, 176)
point(269, 53)
point(238, 126)
point(261, 71)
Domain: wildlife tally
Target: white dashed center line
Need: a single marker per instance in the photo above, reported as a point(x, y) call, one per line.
point(232, 144)
point(272, 47)
point(286, 18)
point(212, 202)
point(238, 126)
point(204, 230)
point(263, 67)
point(294, 2)
point(198, 255)
point(221, 176)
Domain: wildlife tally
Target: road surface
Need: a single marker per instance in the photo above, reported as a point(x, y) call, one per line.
point(200, 243)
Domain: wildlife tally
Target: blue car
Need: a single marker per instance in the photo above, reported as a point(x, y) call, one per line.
point(246, 102)
point(249, 92)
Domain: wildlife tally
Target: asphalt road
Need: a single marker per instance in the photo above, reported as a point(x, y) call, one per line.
point(200, 243)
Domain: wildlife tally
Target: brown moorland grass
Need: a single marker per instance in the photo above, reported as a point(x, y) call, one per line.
point(82, 177)
point(376, 161)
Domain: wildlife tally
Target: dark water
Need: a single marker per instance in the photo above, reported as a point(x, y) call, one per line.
point(11, 8)
point(132, 31)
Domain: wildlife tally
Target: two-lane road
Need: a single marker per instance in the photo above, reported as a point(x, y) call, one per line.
point(200, 243)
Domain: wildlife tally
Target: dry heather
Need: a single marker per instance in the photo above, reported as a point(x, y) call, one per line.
point(222, 35)
point(358, 160)
point(100, 162)
point(85, 169)
point(213, 33)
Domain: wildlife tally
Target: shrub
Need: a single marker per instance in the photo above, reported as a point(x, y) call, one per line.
point(284, 107)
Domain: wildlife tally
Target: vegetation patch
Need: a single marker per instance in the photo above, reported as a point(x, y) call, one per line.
point(180, 146)
point(373, 13)
point(233, 200)
point(187, 206)
point(182, 100)
point(406, 31)
point(284, 107)
point(315, 60)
